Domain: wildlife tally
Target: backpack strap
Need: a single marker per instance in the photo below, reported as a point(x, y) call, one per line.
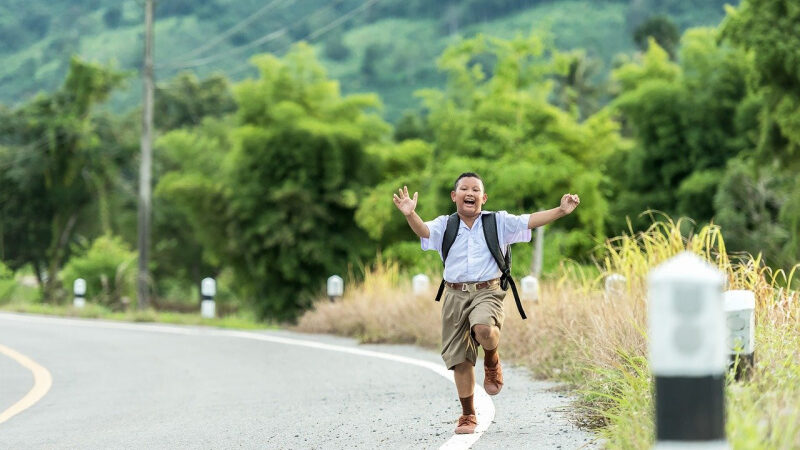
point(449, 237)
point(503, 261)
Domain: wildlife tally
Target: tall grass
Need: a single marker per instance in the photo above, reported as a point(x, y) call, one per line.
point(598, 343)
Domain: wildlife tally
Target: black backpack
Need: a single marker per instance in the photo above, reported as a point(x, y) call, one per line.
point(490, 233)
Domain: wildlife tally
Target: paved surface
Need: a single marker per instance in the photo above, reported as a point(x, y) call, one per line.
point(200, 388)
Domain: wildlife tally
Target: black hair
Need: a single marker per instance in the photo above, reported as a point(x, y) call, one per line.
point(467, 175)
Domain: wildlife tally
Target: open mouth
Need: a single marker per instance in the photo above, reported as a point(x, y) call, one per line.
point(469, 202)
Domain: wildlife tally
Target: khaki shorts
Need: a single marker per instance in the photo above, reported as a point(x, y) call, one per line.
point(460, 312)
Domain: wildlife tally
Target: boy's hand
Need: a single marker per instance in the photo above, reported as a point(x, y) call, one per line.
point(404, 202)
point(569, 202)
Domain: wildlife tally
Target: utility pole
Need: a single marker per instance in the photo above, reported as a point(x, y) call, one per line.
point(143, 278)
point(538, 250)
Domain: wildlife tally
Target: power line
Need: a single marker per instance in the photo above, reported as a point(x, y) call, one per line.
point(227, 33)
point(203, 61)
point(311, 36)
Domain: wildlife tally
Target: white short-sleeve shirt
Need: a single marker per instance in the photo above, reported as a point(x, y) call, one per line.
point(469, 259)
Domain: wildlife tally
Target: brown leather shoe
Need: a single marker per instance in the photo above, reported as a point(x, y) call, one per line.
point(467, 424)
point(493, 380)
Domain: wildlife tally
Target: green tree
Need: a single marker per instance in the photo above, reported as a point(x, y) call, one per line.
point(186, 100)
point(274, 198)
point(190, 203)
point(501, 125)
point(684, 119)
point(747, 204)
point(662, 30)
point(51, 154)
point(767, 29)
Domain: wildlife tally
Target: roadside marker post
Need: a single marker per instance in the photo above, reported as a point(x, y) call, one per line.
point(615, 285)
point(208, 289)
point(335, 287)
point(420, 283)
point(530, 288)
point(740, 320)
point(79, 289)
point(688, 357)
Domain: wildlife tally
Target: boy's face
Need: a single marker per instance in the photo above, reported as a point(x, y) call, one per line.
point(469, 196)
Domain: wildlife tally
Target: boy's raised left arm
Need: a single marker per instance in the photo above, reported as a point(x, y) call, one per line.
point(568, 204)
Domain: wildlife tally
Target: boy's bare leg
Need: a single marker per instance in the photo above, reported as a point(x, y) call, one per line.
point(489, 338)
point(464, 375)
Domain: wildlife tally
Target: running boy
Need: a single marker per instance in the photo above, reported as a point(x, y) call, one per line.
point(472, 310)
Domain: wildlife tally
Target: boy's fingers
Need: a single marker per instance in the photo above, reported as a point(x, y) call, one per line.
point(415, 196)
point(405, 190)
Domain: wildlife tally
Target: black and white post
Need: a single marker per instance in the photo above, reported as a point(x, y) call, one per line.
point(208, 288)
point(335, 287)
point(688, 354)
point(79, 289)
point(740, 308)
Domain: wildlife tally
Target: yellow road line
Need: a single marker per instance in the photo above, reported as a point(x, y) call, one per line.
point(42, 380)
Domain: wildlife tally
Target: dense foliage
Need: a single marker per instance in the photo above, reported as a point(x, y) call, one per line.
point(276, 182)
point(389, 47)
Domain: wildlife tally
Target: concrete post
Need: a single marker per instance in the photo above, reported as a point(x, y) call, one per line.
point(79, 289)
point(615, 285)
point(688, 357)
point(208, 288)
point(335, 287)
point(421, 283)
point(530, 288)
point(740, 320)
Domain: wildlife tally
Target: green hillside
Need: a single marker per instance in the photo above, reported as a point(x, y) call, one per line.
point(389, 47)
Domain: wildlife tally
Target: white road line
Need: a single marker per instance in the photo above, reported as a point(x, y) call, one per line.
point(483, 403)
point(42, 381)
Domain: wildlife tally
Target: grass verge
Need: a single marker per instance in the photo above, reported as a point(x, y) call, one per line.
point(92, 311)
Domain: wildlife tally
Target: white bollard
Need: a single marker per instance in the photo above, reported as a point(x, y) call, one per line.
point(615, 285)
point(530, 288)
point(740, 308)
point(79, 289)
point(688, 357)
point(335, 287)
point(208, 288)
point(420, 283)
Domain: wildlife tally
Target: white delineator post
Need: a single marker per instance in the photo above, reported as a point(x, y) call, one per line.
point(79, 289)
point(208, 288)
point(740, 308)
point(335, 287)
point(615, 285)
point(530, 288)
point(420, 283)
point(688, 356)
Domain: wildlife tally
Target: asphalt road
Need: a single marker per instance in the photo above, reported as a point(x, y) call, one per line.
point(153, 386)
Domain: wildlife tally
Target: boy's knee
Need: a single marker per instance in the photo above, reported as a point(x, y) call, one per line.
point(482, 332)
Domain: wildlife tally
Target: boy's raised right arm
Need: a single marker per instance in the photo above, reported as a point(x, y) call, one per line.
point(406, 204)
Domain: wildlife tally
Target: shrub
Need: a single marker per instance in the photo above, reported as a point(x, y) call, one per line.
point(109, 268)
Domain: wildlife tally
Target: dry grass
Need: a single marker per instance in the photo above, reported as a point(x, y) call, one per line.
point(380, 309)
point(577, 333)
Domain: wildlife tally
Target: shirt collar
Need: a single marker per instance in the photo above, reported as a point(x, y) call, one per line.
point(476, 223)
